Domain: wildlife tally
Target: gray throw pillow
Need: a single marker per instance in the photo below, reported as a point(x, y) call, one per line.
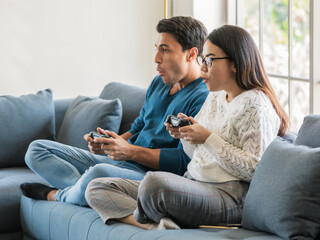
point(86, 114)
point(309, 133)
point(22, 120)
point(284, 196)
point(132, 99)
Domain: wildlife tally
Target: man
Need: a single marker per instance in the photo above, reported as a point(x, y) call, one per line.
point(147, 146)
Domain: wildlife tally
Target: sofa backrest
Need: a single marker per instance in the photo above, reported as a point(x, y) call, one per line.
point(60, 109)
point(132, 99)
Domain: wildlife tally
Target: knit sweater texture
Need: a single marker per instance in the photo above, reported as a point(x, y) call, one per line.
point(241, 131)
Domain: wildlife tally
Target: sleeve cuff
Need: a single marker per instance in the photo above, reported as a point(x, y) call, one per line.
point(214, 142)
point(173, 160)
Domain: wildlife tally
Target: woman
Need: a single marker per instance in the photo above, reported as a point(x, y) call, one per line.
point(239, 119)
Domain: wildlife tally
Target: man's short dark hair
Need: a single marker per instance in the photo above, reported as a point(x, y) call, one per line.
point(188, 31)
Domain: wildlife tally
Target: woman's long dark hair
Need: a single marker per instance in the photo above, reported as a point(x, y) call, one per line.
point(241, 48)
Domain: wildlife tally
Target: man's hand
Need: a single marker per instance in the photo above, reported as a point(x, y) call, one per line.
point(116, 147)
point(93, 146)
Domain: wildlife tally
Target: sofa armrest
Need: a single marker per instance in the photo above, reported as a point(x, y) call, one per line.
point(60, 108)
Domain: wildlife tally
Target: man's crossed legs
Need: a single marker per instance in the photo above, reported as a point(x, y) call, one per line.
point(70, 169)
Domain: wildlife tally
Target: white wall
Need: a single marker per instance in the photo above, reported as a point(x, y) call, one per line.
point(213, 13)
point(76, 46)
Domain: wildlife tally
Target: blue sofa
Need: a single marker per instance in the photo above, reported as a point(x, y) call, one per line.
point(24, 218)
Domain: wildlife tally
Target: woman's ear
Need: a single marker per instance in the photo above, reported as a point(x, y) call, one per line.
point(234, 69)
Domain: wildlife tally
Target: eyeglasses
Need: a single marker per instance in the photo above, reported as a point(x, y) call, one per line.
point(208, 60)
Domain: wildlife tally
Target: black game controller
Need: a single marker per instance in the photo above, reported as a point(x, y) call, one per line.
point(94, 135)
point(177, 122)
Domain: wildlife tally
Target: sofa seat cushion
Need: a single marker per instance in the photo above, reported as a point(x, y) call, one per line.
point(10, 194)
point(57, 220)
point(22, 120)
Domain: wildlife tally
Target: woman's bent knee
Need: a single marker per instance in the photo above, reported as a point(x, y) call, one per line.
point(97, 186)
point(91, 189)
point(153, 185)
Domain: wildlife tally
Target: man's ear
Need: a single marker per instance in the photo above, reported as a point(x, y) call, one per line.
point(192, 54)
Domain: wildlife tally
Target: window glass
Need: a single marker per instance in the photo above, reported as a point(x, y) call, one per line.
point(300, 43)
point(275, 36)
point(280, 86)
point(299, 103)
point(275, 32)
point(251, 21)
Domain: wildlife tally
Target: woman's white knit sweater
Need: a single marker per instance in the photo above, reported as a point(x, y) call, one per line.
point(241, 131)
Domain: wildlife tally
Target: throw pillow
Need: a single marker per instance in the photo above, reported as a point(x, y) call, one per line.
point(132, 99)
point(284, 196)
point(22, 120)
point(86, 114)
point(308, 134)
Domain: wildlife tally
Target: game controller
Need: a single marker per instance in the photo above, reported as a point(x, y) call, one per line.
point(94, 135)
point(177, 122)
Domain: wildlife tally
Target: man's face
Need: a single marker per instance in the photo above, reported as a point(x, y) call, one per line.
point(171, 61)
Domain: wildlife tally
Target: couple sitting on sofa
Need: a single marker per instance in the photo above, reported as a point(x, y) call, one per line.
point(217, 154)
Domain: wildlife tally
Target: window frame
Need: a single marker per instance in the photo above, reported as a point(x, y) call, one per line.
point(235, 15)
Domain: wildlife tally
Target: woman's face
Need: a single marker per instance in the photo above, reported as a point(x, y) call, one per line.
point(221, 74)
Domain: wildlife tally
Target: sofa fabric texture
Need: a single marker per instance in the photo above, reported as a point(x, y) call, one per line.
point(33, 219)
point(84, 115)
point(132, 99)
point(308, 134)
point(10, 194)
point(56, 221)
point(60, 108)
point(284, 197)
point(24, 119)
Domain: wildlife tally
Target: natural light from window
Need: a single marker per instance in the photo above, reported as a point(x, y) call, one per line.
point(281, 30)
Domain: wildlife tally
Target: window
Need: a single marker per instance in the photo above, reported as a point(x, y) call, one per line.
point(285, 32)
point(281, 29)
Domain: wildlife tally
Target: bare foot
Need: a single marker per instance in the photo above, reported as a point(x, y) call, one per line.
point(51, 195)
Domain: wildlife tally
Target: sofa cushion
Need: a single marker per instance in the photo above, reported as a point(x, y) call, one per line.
point(10, 180)
point(22, 120)
point(86, 114)
point(60, 108)
point(57, 220)
point(132, 99)
point(284, 197)
point(309, 133)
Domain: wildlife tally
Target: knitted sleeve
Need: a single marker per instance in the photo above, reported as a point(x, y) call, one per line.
point(256, 129)
point(189, 148)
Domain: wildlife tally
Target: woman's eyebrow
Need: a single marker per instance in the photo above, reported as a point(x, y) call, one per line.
point(209, 54)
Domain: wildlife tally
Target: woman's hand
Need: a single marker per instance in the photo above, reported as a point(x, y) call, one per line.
point(174, 131)
point(195, 133)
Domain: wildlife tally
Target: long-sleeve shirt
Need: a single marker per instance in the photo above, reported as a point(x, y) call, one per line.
point(149, 131)
point(241, 131)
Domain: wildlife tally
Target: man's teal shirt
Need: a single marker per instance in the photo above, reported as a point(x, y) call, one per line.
point(149, 131)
